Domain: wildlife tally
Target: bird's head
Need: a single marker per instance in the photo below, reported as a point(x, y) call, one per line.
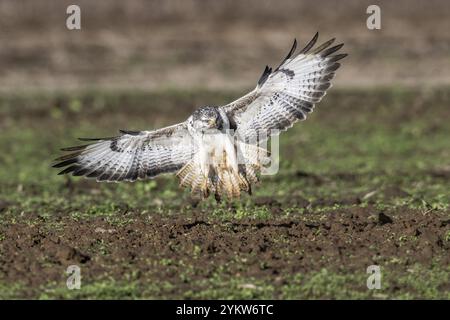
point(207, 118)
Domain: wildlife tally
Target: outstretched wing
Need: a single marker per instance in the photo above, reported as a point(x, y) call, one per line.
point(130, 156)
point(287, 94)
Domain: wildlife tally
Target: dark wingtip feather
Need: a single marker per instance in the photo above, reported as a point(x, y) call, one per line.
point(68, 170)
point(331, 50)
point(294, 46)
point(94, 174)
point(267, 71)
point(130, 132)
point(68, 156)
point(64, 163)
point(333, 67)
point(310, 44)
point(291, 52)
point(338, 57)
point(324, 45)
point(289, 55)
point(96, 139)
point(75, 148)
point(80, 172)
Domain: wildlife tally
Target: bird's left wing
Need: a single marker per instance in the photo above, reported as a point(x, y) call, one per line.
point(287, 94)
point(130, 156)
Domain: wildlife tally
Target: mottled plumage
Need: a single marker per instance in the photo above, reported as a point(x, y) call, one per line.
point(216, 150)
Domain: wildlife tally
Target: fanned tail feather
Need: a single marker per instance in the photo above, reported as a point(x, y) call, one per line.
point(222, 179)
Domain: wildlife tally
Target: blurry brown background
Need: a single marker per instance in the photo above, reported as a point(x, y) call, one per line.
point(214, 44)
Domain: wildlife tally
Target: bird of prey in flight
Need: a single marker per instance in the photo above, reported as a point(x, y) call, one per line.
point(217, 150)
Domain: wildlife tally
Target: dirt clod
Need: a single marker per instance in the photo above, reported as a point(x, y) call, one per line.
point(384, 218)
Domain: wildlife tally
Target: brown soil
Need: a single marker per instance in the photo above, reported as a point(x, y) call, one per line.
point(348, 239)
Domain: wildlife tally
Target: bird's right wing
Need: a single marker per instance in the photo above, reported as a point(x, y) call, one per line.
point(130, 156)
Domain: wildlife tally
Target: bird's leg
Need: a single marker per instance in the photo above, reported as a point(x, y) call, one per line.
point(217, 197)
point(205, 190)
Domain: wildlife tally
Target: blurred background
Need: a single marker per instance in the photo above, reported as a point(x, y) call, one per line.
point(215, 44)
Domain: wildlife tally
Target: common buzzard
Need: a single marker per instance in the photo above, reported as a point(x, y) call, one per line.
point(217, 150)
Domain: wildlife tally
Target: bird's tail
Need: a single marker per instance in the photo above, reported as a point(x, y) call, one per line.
point(221, 179)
